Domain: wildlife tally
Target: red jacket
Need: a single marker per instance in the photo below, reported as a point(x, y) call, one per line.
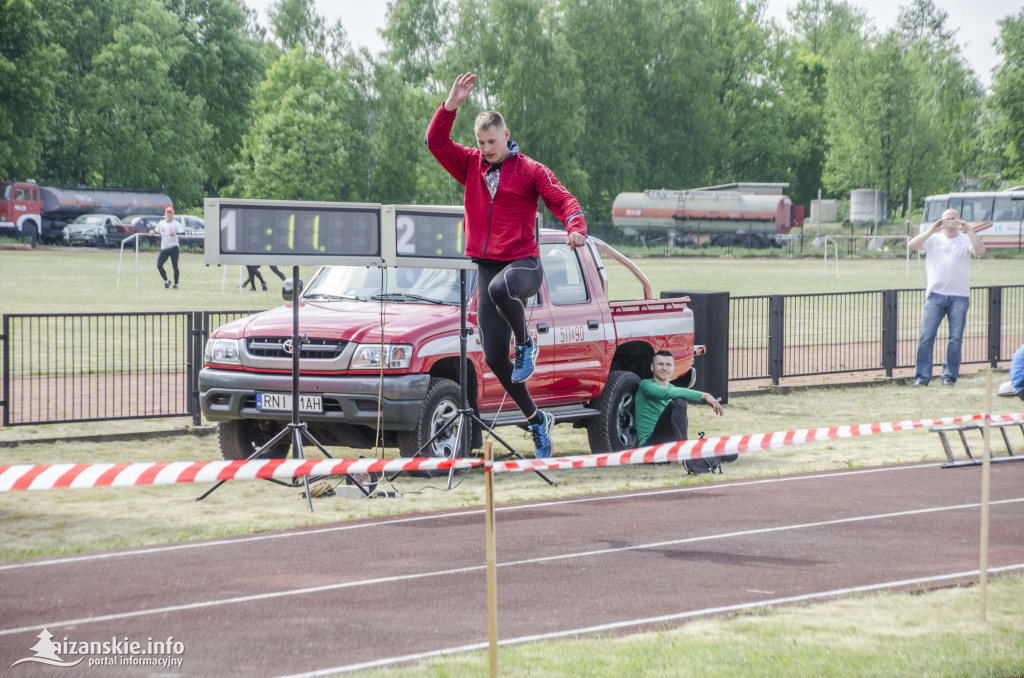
point(505, 228)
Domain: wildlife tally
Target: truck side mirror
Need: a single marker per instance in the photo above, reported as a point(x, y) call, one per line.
point(288, 289)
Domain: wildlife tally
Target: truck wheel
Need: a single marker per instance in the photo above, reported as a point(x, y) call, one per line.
point(29, 233)
point(614, 429)
point(440, 405)
point(240, 438)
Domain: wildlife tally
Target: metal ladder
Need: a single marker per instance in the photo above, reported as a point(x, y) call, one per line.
point(961, 429)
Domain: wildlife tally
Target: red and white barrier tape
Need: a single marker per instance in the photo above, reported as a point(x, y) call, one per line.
point(45, 477)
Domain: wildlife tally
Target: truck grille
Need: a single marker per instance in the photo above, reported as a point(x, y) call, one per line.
point(312, 349)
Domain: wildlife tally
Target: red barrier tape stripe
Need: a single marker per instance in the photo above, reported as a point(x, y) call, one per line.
point(41, 477)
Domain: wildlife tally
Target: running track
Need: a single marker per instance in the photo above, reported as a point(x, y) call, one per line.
point(353, 595)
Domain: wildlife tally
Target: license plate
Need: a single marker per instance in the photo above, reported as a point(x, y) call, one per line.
point(282, 402)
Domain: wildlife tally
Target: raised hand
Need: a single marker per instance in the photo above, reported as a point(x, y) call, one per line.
point(461, 89)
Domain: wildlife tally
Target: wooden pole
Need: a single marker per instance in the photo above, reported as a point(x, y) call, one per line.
point(986, 474)
point(492, 584)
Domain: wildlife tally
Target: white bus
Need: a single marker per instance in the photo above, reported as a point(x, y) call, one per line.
point(996, 216)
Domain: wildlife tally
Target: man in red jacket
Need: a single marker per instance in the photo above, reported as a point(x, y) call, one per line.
point(502, 188)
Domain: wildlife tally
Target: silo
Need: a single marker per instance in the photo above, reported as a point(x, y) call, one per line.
point(868, 206)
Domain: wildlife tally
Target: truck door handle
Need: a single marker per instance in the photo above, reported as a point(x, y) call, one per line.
point(542, 328)
point(593, 324)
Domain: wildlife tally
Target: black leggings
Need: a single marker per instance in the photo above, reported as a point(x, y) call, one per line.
point(172, 253)
point(254, 272)
point(502, 290)
point(671, 426)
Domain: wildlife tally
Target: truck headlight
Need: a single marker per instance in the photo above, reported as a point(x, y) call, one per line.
point(223, 351)
point(373, 356)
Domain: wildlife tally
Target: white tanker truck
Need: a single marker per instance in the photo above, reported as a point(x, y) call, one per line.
point(752, 215)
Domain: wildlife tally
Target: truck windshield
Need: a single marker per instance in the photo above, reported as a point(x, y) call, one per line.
point(407, 285)
point(7, 191)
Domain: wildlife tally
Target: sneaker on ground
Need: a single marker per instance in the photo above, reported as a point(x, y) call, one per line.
point(948, 382)
point(542, 436)
point(919, 382)
point(526, 361)
point(167, 283)
point(175, 286)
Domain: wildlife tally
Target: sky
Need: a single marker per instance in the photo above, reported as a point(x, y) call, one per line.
point(975, 19)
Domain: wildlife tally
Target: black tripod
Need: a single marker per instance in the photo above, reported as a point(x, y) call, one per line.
point(465, 417)
point(296, 429)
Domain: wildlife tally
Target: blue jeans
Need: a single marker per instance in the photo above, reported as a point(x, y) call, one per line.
point(936, 307)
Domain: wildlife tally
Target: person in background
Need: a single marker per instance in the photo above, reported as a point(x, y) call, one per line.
point(169, 230)
point(254, 272)
point(1017, 372)
point(948, 245)
point(502, 187)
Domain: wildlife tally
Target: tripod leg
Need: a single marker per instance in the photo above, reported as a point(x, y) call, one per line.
point(297, 453)
point(277, 437)
point(508, 447)
point(460, 429)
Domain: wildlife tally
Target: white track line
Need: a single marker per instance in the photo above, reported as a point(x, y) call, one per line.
point(614, 626)
point(476, 568)
point(231, 541)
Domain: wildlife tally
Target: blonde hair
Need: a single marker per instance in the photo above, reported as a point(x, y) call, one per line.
point(489, 119)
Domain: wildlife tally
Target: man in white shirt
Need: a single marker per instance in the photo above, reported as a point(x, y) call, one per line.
point(947, 245)
point(169, 229)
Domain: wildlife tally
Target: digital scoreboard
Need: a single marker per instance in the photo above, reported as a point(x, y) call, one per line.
point(427, 236)
point(275, 232)
point(285, 233)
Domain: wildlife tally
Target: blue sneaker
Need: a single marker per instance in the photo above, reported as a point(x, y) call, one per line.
point(526, 361)
point(542, 436)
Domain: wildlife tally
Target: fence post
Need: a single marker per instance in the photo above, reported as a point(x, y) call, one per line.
point(995, 319)
point(890, 330)
point(776, 336)
point(6, 403)
point(196, 325)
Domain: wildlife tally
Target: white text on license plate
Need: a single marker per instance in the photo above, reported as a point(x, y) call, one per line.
point(283, 402)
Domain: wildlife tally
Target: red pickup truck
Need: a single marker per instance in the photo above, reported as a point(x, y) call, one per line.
point(382, 353)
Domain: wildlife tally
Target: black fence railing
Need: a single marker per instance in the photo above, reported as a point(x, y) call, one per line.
point(78, 367)
point(773, 337)
point(103, 366)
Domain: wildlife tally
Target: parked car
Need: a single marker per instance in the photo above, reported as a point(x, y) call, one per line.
point(90, 229)
point(195, 231)
point(140, 223)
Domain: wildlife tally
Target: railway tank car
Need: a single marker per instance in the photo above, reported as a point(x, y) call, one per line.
point(751, 214)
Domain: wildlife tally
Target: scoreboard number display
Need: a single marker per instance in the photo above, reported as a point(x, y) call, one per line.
point(277, 232)
point(428, 236)
point(257, 232)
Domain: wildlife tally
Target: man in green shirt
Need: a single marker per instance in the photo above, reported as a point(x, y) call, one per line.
point(661, 407)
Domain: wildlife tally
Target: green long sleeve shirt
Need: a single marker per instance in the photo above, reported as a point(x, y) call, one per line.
point(651, 400)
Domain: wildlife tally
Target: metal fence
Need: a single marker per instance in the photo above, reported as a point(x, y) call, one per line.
point(773, 337)
point(76, 367)
point(100, 366)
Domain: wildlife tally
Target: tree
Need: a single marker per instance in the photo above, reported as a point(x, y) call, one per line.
point(823, 26)
point(222, 64)
point(746, 63)
point(299, 147)
point(416, 33)
point(1008, 96)
point(297, 25)
point(149, 132)
point(28, 80)
point(870, 117)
